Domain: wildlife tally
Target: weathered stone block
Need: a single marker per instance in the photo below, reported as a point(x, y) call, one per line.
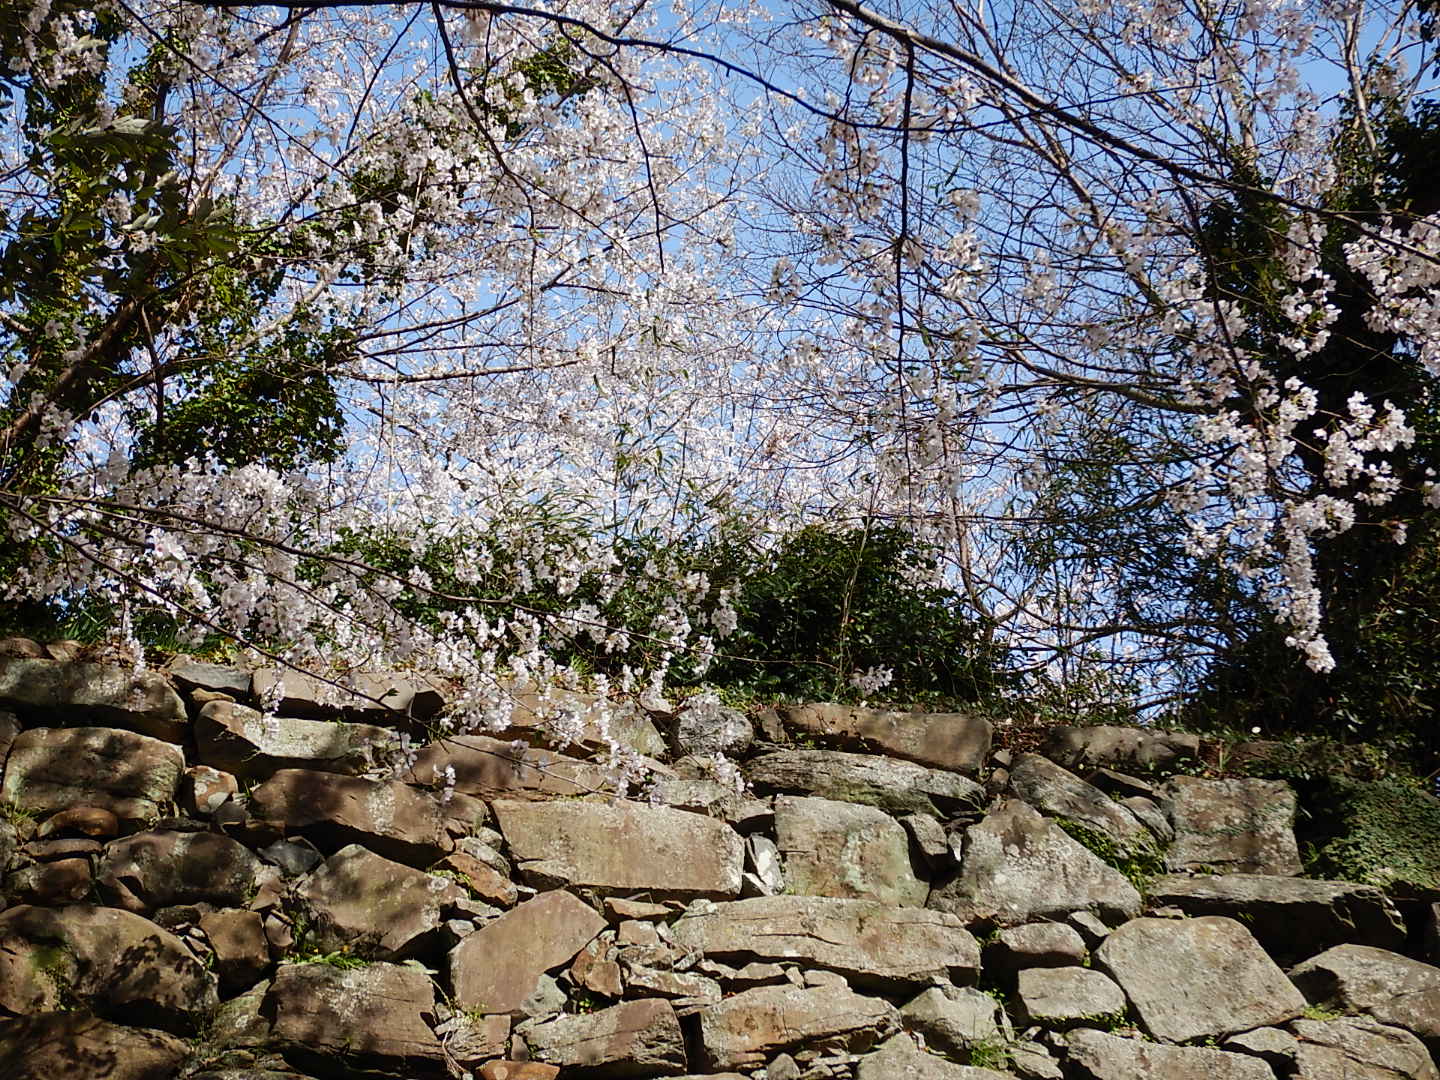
point(871, 944)
point(497, 967)
point(1099, 1056)
point(1392, 988)
point(1020, 867)
point(122, 966)
point(622, 847)
point(959, 742)
point(750, 1027)
point(249, 744)
point(839, 849)
point(376, 907)
point(74, 1046)
point(130, 775)
point(634, 1039)
point(376, 1016)
point(897, 787)
point(1241, 826)
point(156, 869)
point(389, 818)
point(1214, 980)
point(108, 694)
point(1291, 917)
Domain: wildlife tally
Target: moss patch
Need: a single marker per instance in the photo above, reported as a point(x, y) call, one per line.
point(1382, 832)
point(1141, 866)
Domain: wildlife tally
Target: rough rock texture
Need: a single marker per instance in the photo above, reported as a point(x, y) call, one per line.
point(636, 1038)
point(142, 701)
point(191, 674)
point(1291, 917)
point(1060, 996)
point(622, 846)
point(1392, 988)
point(122, 966)
point(374, 1016)
point(870, 944)
point(1358, 1048)
point(953, 1019)
point(839, 849)
point(1119, 747)
point(245, 742)
point(1056, 792)
point(624, 964)
point(496, 968)
point(751, 1026)
point(493, 768)
point(1231, 826)
point(373, 906)
point(238, 941)
point(530, 715)
point(1019, 867)
point(370, 695)
point(391, 819)
point(901, 1059)
point(1214, 980)
point(898, 787)
point(156, 869)
point(959, 742)
point(1097, 1056)
point(715, 730)
point(74, 1046)
point(1034, 945)
point(130, 775)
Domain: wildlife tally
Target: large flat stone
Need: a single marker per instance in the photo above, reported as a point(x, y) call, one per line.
point(373, 906)
point(1197, 978)
point(122, 966)
point(871, 944)
point(1291, 917)
point(750, 1027)
point(492, 768)
point(369, 695)
point(952, 1019)
point(1020, 867)
point(157, 869)
point(130, 775)
point(897, 787)
point(1359, 1048)
point(1243, 826)
point(68, 693)
point(496, 968)
point(622, 847)
point(632, 1039)
point(389, 818)
point(959, 742)
point(1056, 792)
point(1392, 988)
point(245, 742)
point(840, 849)
point(75, 1046)
point(593, 722)
point(1057, 997)
point(375, 1016)
point(1094, 1055)
point(1119, 747)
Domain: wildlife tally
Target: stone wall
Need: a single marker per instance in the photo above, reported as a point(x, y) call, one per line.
point(193, 889)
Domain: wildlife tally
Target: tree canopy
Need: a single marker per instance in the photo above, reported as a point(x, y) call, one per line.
point(455, 334)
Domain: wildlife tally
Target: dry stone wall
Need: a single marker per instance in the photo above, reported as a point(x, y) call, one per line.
point(192, 888)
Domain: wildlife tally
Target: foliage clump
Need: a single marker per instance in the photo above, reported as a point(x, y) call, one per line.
point(1140, 865)
point(1383, 832)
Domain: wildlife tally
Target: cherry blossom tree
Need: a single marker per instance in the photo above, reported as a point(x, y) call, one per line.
point(297, 298)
